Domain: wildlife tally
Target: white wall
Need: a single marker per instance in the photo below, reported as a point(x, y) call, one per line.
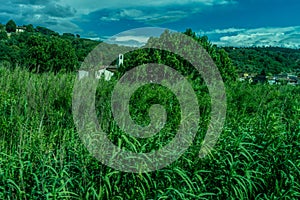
point(82, 73)
point(98, 74)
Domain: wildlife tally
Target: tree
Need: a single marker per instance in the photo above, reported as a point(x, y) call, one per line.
point(11, 26)
point(3, 36)
point(10, 54)
point(219, 56)
point(224, 64)
point(53, 54)
point(68, 35)
point(37, 53)
point(2, 27)
point(29, 28)
point(190, 33)
point(62, 55)
point(46, 31)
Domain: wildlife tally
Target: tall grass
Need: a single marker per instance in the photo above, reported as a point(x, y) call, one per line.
point(42, 157)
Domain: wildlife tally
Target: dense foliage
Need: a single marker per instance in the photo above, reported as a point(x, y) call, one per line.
point(272, 60)
point(16, 50)
point(43, 50)
point(150, 55)
point(11, 26)
point(41, 155)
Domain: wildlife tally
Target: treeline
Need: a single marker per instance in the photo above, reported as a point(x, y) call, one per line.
point(40, 49)
point(271, 60)
point(149, 55)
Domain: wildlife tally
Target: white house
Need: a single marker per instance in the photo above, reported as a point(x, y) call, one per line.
point(96, 73)
point(106, 71)
point(20, 29)
point(82, 73)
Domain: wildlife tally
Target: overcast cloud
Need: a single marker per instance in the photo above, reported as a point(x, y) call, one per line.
point(270, 36)
point(226, 22)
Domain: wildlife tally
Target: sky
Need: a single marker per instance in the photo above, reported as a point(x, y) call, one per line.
point(226, 22)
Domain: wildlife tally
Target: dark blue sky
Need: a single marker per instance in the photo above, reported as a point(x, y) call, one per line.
point(225, 22)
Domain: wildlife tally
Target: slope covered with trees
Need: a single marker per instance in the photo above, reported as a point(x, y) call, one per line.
point(272, 60)
point(40, 49)
point(149, 55)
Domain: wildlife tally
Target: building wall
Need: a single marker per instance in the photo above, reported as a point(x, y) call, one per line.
point(103, 72)
point(97, 74)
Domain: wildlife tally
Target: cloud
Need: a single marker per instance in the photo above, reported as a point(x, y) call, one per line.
point(132, 13)
point(129, 40)
point(148, 11)
point(109, 19)
point(49, 13)
point(67, 15)
point(57, 10)
point(223, 31)
point(143, 15)
point(135, 37)
point(266, 36)
point(140, 39)
point(33, 2)
point(94, 5)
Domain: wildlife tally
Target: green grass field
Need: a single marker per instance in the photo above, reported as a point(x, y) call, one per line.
point(42, 156)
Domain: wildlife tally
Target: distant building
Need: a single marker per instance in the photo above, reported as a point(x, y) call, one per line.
point(120, 60)
point(82, 74)
point(20, 29)
point(272, 81)
point(260, 79)
point(103, 71)
point(98, 74)
point(293, 80)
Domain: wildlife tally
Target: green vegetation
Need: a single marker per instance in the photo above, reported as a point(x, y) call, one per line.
point(149, 55)
point(11, 26)
point(272, 60)
point(42, 156)
point(41, 49)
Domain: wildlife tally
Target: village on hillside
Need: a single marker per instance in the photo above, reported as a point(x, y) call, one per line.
point(278, 79)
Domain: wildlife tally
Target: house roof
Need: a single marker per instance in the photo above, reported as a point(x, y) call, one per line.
point(21, 27)
point(110, 68)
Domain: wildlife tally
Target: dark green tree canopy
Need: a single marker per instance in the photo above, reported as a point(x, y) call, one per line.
point(46, 31)
point(3, 35)
point(50, 54)
point(18, 50)
point(29, 28)
point(68, 35)
point(11, 26)
point(2, 27)
point(42, 50)
point(219, 56)
point(273, 60)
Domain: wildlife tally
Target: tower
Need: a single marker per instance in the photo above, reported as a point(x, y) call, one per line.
point(120, 60)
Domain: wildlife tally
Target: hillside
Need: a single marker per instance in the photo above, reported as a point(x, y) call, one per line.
point(41, 49)
point(272, 60)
